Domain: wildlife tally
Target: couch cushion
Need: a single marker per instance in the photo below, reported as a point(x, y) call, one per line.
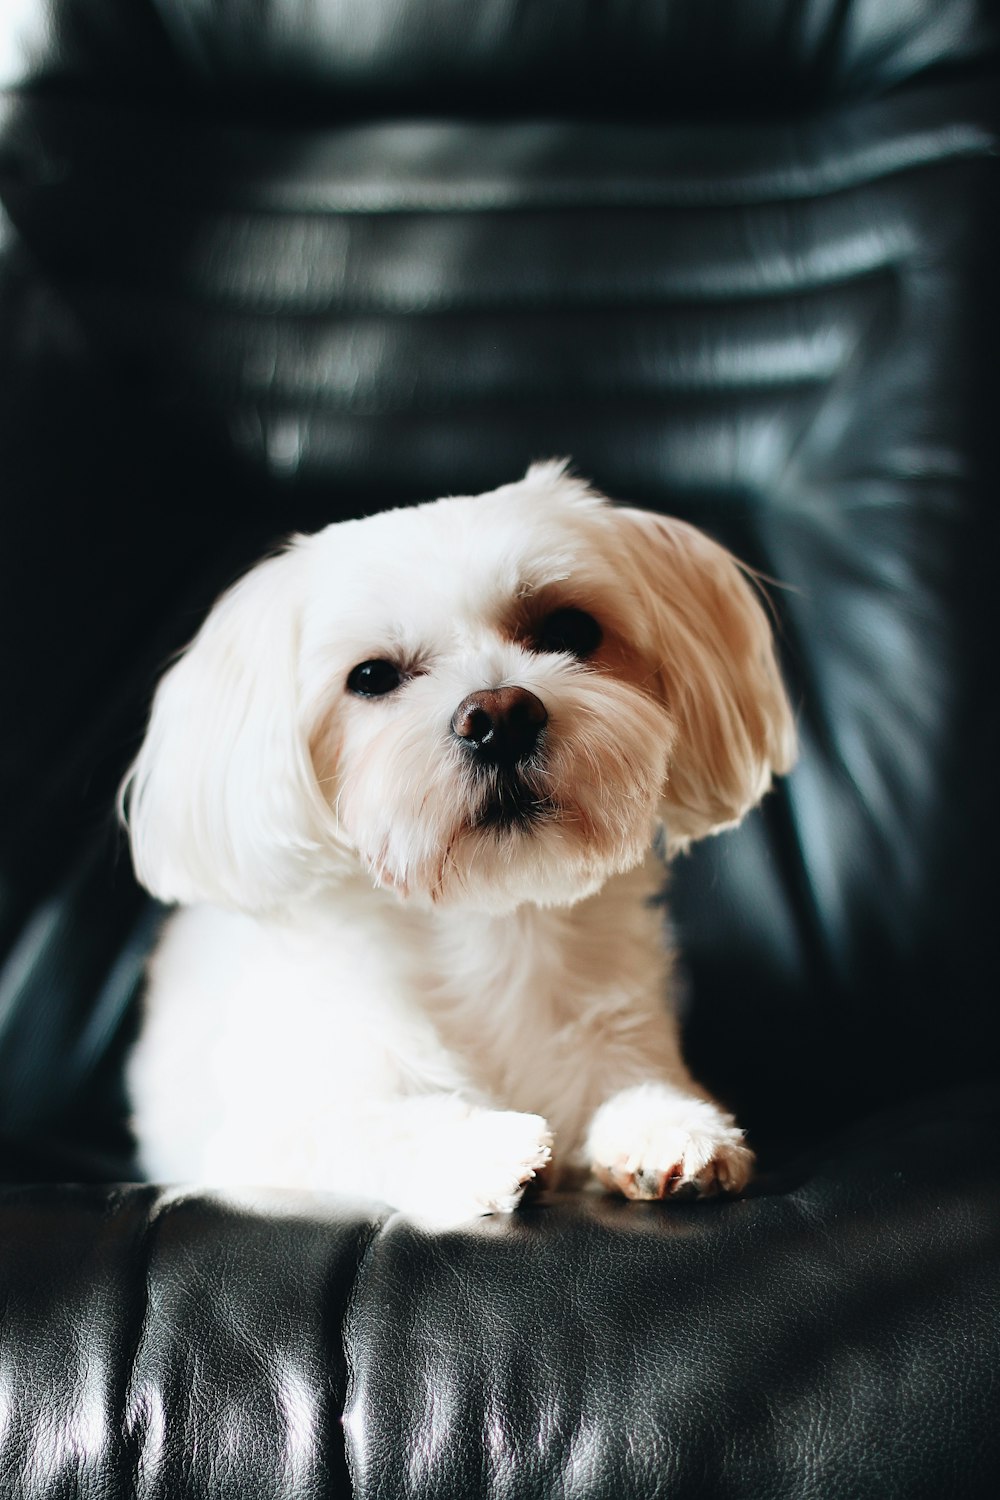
point(837, 1334)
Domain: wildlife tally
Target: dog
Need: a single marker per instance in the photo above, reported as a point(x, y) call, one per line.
point(409, 787)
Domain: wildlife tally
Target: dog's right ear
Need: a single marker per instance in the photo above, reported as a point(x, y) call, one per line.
point(222, 803)
point(716, 672)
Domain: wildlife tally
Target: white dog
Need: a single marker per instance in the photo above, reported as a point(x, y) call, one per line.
point(405, 785)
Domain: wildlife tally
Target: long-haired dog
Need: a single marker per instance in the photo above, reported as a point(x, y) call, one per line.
point(405, 786)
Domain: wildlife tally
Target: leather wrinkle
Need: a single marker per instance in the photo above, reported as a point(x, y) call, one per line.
point(664, 357)
point(298, 266)
point(293, 309)
point(814, 340)
point(353, 1306)
point(62, 132)
point(130, 1423)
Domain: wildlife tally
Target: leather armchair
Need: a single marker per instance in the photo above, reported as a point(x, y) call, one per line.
point(264, 266)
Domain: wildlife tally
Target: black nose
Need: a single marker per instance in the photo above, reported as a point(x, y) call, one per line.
point(500, 725)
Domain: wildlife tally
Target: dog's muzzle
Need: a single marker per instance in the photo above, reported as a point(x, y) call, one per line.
point(500, 729)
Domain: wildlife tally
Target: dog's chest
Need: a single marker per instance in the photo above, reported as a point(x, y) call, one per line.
point(527, 1002)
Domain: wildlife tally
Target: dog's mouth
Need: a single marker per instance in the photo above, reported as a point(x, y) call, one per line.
point(511, 805)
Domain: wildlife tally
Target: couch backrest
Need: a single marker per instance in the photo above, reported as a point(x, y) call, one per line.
point(267, 266)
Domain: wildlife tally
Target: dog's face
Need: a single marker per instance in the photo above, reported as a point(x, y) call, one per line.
point(479, 701)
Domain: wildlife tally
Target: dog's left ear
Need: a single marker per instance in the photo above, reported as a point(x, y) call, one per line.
point(715, 670)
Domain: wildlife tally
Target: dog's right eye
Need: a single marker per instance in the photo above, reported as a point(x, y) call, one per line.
point(572, 631)
point(373, 679)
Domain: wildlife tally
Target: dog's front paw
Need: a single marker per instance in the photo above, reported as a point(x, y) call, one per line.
point(493, 1155)
point(508, 1149)
point(653, 1141)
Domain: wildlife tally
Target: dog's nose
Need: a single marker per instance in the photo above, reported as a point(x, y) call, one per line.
point(500, 725)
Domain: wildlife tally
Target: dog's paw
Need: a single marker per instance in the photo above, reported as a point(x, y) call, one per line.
point(653, 1141)
point(508, 1150)
point(493, 1155)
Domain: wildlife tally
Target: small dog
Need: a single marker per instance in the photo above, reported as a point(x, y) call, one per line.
point(405, 786)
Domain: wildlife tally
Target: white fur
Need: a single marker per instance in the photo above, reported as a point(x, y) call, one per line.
point(367, 989)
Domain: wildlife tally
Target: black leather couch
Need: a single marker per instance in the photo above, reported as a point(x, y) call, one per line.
point(267, 264)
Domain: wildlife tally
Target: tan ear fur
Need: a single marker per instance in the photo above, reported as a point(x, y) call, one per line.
point(715, 669)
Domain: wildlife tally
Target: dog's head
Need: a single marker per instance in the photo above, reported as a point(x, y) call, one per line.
point(482, 700)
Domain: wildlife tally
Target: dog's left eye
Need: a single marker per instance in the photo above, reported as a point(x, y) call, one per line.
point(570, 630)
point(373, 679)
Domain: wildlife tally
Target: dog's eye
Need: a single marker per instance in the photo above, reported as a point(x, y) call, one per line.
point(571, 630)
point(373, 679)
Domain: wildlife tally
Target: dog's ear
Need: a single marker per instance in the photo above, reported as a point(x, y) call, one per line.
point(222, 803)
point(714, 669)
